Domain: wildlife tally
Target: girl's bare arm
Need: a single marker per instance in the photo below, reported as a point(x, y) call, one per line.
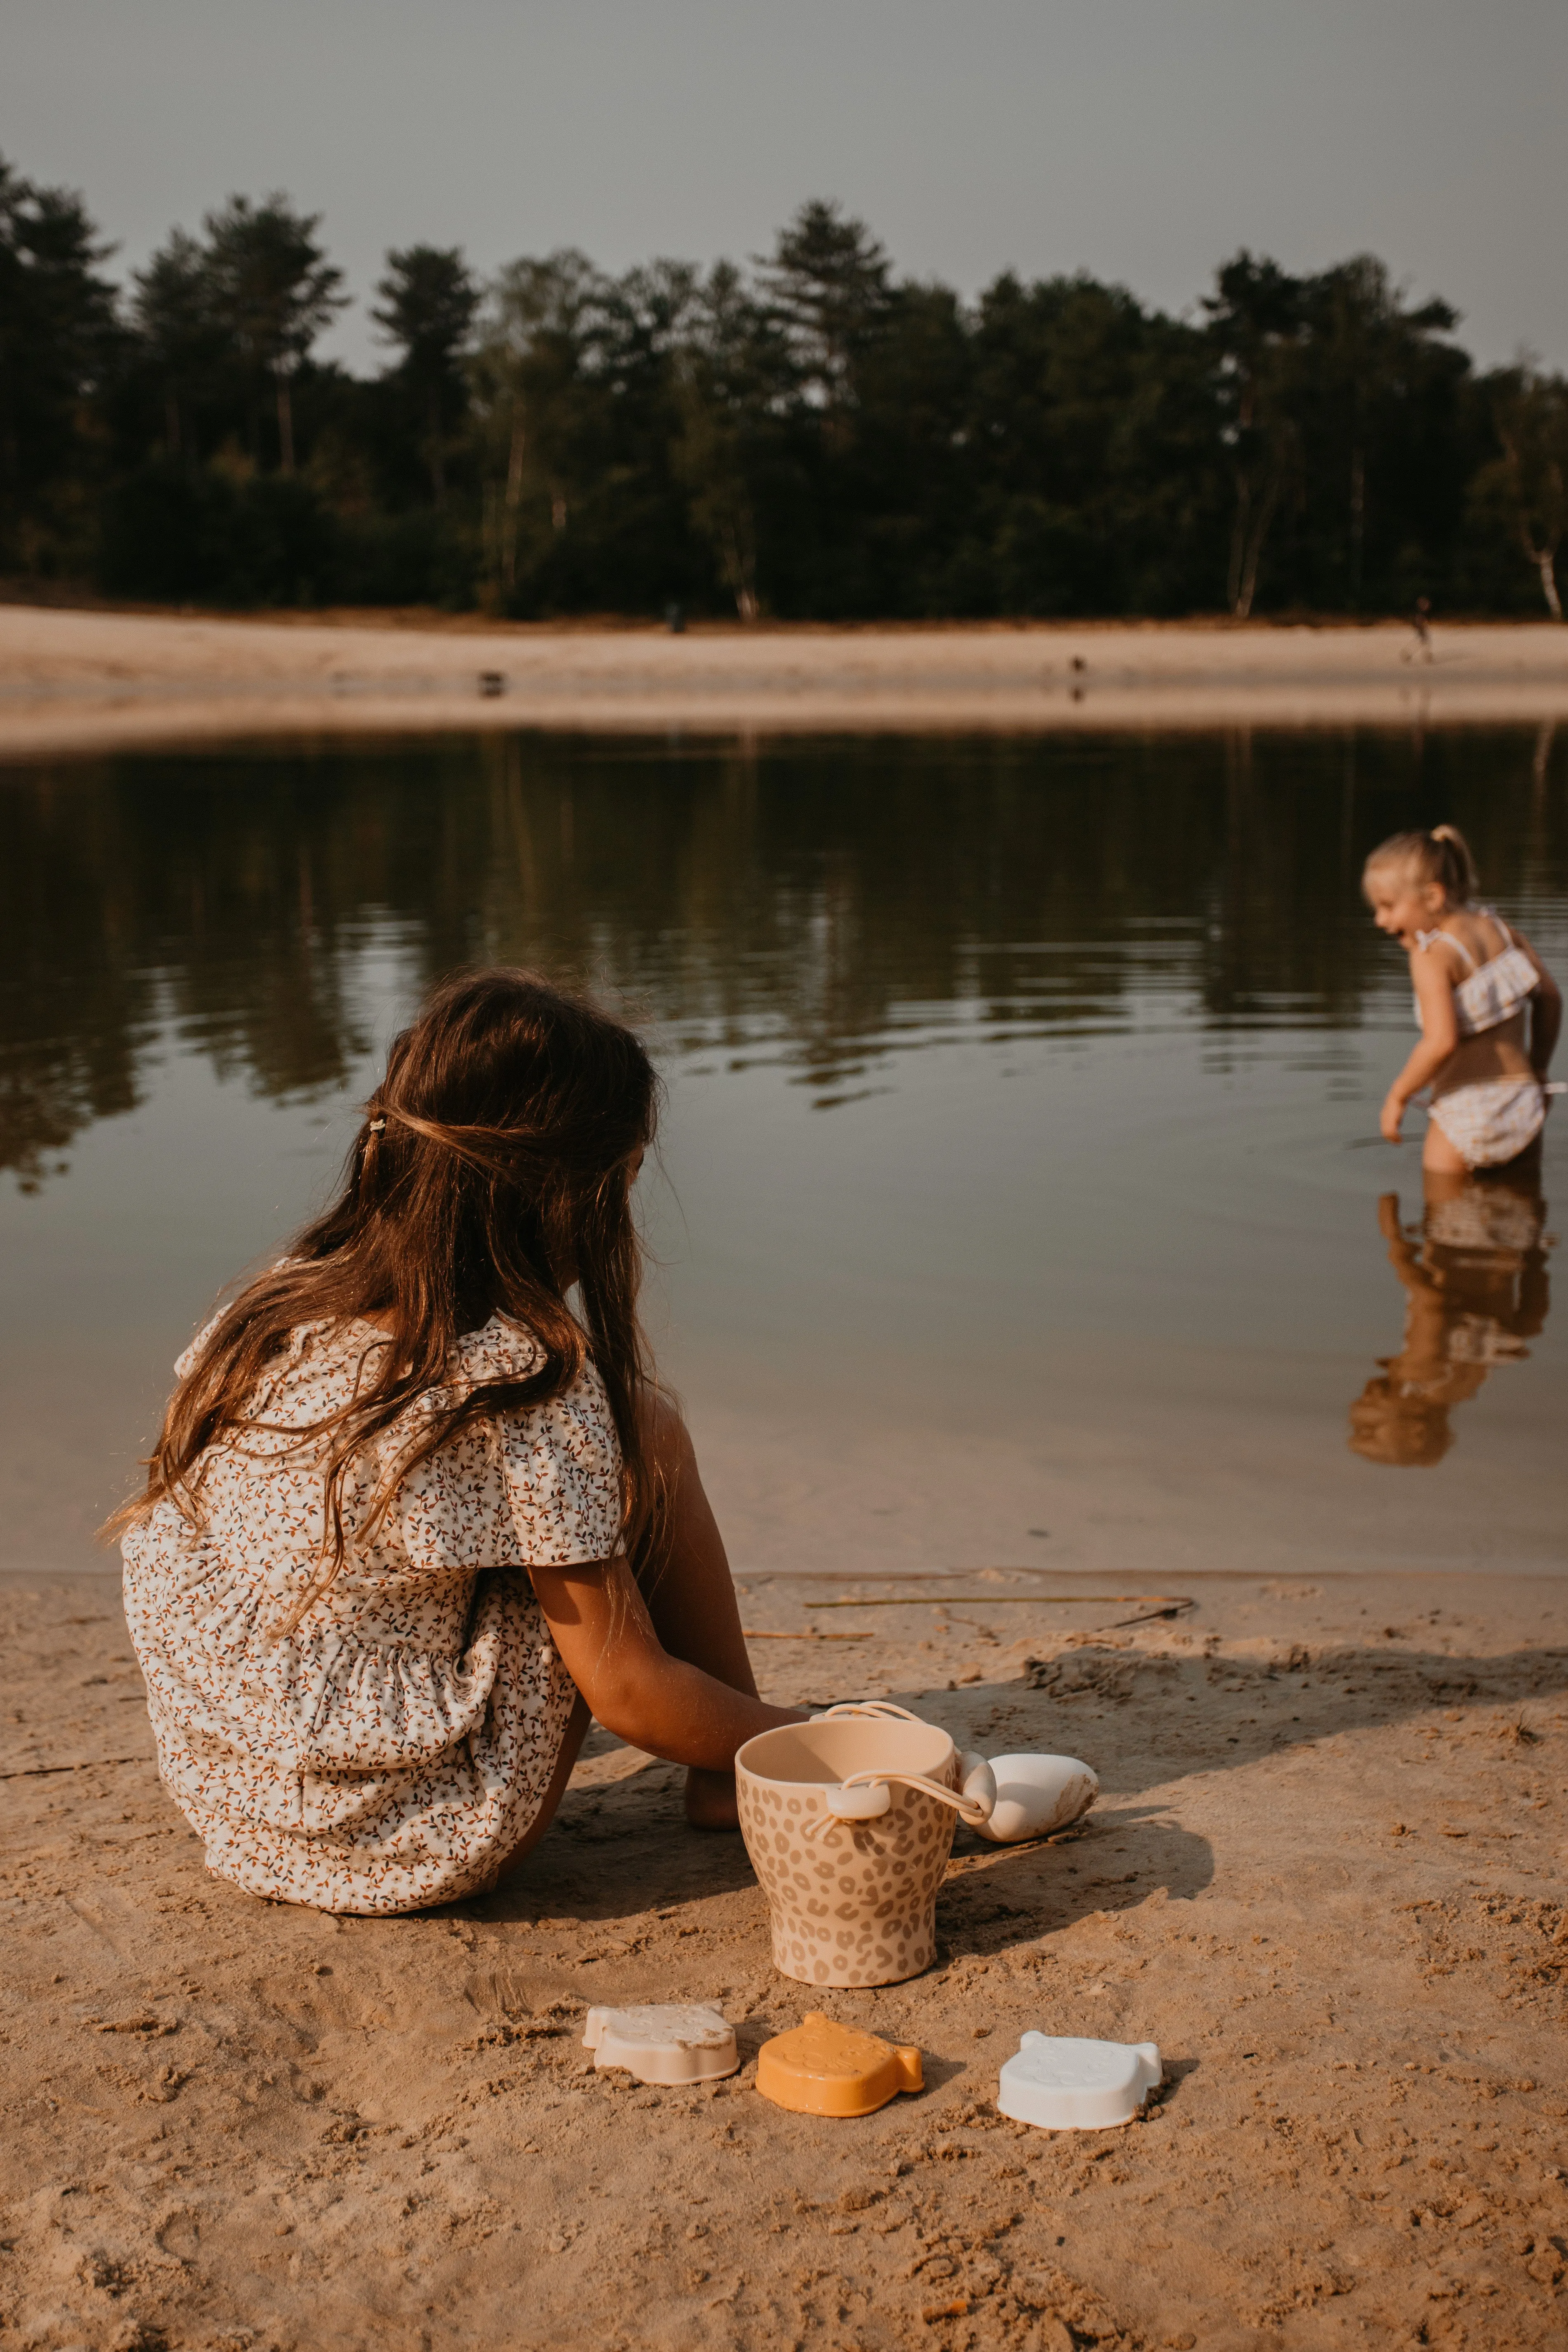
point(1545, 1014)
point(1439, 1036)
point(608, 1646)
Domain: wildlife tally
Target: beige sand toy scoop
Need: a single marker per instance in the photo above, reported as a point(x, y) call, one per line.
point(666, 2042)
point(1037, 1795)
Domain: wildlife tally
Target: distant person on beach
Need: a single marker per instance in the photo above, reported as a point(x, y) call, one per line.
point(1476, 1291)
point(1421, 622)
point(1489, 1009)
point(419, 1509)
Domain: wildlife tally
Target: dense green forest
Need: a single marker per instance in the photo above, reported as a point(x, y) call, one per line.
point(807, 436)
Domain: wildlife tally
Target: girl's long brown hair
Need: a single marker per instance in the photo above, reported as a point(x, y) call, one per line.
point(492, 1174)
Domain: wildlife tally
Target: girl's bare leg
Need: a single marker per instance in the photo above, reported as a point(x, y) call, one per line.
point(577, 1723)
point(691, 1599)
point(1439, 1156)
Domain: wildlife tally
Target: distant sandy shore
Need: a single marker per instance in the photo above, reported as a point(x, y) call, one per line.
point(1325, 1876)
point(84, 681)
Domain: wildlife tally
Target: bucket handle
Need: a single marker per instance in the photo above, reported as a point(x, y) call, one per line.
point(882, 1707)
point(973, 1803)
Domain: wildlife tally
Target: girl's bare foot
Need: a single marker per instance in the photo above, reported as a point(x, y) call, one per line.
point(710, 1800)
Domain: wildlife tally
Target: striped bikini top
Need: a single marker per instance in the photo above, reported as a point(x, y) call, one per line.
point(1491, 993)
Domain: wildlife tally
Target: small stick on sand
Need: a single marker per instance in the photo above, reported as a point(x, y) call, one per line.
point(1154, 1601)
point(811, 1633)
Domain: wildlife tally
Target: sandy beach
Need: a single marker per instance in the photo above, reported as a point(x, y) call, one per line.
point(80, 681)
point(1324, 1874)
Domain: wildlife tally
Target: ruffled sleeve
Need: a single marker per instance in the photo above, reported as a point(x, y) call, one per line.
point(562, 1466)
point(186, 1362)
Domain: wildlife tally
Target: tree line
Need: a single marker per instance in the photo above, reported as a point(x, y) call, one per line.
point(810, 436)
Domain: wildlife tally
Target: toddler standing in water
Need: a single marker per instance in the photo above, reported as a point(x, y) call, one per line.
point(1489, 1009)
point(417, 1509)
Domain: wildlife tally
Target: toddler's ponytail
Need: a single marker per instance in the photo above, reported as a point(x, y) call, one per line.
point(1442, 856)
point(1454, 868)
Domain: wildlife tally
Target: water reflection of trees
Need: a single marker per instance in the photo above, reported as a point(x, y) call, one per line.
point(817, 903)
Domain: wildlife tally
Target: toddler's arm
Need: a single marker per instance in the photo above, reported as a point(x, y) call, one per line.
point(1439, 1036)
point(608, 1643)
point(1545, 1012)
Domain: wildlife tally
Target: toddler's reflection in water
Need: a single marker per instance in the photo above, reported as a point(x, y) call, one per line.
point(1474, 1272)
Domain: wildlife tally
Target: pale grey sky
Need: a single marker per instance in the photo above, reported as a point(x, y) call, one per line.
point(1142, 140)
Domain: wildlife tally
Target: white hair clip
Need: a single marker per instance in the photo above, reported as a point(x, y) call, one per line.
point(378, 1127)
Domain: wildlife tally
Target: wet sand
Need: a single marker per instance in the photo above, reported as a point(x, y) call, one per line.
point(80, 681)
point(1325, 1876)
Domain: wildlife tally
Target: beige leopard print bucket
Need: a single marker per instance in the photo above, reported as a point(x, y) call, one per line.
point(853, 1900)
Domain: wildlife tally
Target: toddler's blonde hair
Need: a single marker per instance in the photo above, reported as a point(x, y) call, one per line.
point(1442, 856)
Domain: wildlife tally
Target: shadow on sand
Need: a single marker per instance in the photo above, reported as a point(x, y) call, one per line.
point(1143, 1720)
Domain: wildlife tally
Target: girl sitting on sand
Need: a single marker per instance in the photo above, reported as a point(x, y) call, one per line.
point(417, 1509)
point(1489, 1009)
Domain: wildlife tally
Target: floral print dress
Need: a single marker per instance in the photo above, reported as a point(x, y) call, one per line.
point(391, 1750)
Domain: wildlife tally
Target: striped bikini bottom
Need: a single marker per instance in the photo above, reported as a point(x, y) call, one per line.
point(1492, 1123)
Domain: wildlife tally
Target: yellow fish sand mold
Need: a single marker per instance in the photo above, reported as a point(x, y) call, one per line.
point(821, 2068)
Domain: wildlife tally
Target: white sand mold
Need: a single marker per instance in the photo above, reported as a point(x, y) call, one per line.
point(1037, 1795)
point(1061, 2083)
point(664, 2041)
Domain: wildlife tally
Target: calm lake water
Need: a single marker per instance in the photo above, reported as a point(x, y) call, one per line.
point(1021, 1198)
